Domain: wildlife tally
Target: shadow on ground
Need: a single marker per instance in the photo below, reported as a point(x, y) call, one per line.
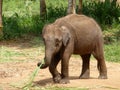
point(48, 81)
point(23, 43)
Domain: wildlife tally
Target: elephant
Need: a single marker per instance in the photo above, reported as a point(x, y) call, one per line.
point(73, 34)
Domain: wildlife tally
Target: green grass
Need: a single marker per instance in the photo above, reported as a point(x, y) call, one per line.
point(60, 88)
point(34, 48)
point(112, 52)
point(19, 51)
point(7, 54)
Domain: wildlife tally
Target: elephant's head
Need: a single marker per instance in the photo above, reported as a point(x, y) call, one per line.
point(54, 38)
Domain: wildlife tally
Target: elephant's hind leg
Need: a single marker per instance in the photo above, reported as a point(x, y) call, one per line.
point(85, 74)
point(99, 55)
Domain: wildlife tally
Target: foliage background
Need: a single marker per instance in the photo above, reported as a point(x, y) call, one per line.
point(22, 17)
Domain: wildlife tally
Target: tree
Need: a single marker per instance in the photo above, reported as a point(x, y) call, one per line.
point(72, 7)
point(80, 7)
point(43, 11)
point(1, 18)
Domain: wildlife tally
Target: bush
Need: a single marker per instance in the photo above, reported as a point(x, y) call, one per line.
point(105, 13)
point(11, 27)
point(112, 34)
point(22, 19)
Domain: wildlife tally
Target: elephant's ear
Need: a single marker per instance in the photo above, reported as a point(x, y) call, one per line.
point(65, 35)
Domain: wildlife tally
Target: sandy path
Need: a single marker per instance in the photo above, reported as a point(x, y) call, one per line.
point(16, 72)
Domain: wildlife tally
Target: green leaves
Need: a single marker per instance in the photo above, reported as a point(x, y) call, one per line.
point(23, 18)
point(105, 13)
point(28, 84)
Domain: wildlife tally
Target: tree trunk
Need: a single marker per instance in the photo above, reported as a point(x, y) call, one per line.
point(114, 3)
point(43, 12)
point(71, 7)
point(1, 33)
point(80, 7)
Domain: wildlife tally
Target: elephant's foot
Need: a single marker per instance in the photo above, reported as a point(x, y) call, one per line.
point(59, 79)
point(64, 81)
point(42, 66)
point(103, 76)
point(85, 75)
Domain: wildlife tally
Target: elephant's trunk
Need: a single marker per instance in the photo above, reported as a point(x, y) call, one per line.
point(47, 60)
point(43, 65)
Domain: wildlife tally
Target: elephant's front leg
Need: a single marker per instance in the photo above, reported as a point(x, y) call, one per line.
point(65, 68)
point(56, 75)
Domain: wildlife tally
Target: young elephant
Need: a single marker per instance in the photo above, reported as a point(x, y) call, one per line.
point(73, 34)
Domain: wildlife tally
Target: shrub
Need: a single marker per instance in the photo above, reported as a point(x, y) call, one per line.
point(11, 27)
point(22, 19)
point(105, 13)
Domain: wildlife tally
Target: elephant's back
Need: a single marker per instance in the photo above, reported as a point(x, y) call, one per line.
point(83, 24)
point(75, 17)
point(79, 21)
point(87, 32)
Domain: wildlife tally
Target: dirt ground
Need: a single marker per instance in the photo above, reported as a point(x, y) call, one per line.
point(11, 73)
point(15, 72)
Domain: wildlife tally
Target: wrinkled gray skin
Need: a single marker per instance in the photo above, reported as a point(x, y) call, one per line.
point(73, 34)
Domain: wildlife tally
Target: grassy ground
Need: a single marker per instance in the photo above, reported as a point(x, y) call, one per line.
point(59, 88)
point(112, 52)
point(18, 52)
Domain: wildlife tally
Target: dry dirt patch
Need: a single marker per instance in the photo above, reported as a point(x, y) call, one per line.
point(17, 72)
